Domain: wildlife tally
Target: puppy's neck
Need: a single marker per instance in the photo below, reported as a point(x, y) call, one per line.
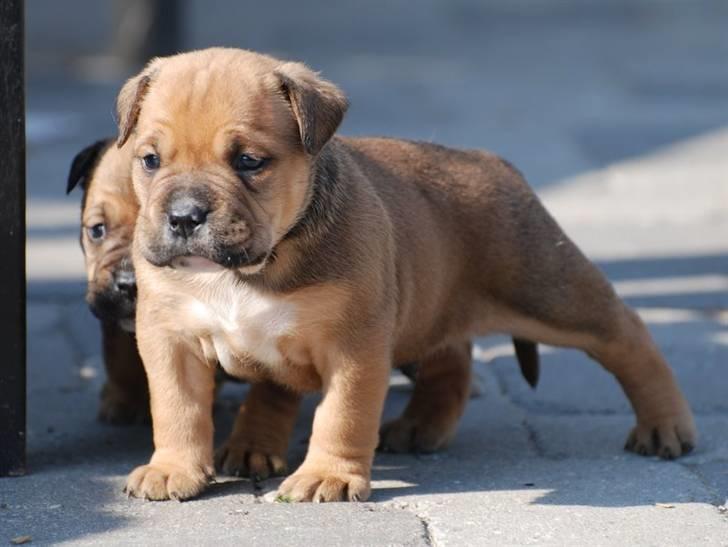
point(323, 206)
point(298, 259)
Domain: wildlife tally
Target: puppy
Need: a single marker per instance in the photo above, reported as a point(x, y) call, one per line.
point(108, 215)
point(303, 261)
point(109, 209)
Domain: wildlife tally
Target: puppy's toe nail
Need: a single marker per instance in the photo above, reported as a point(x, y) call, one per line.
point(630, 443)
point(686, 447)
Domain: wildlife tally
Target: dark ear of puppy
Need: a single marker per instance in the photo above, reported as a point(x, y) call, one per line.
point(129, 101)
point(83, 164)
point(317, 104)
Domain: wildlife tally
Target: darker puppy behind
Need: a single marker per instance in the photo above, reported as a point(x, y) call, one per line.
point(108, 215)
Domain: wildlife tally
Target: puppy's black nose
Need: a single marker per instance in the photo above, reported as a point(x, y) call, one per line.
point(185, 216)
point(125, 282)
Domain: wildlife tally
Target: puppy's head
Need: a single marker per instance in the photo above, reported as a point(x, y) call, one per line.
point(224, 141)
point(108, 214)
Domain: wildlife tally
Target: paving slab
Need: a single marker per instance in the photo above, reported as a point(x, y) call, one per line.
point(229, 513)
point(569, 503)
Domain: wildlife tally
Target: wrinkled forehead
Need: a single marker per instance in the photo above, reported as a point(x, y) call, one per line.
point(206, 108)
point(110, 186)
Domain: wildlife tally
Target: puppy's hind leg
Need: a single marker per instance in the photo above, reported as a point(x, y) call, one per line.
point(549, 292)
point(577, 307)
point(442, 388)
point(665, 424)
point(258, 443)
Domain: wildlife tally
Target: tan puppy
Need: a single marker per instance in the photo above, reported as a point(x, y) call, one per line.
point(314, 262)
point(108, 215)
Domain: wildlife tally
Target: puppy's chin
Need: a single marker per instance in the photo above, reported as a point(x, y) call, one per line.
point(202, 265)
point(195, 264)
point(109, 306)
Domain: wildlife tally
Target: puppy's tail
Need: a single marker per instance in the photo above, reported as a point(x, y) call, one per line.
point(527, 355)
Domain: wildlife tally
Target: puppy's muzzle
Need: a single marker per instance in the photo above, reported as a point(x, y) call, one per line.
point(192, 233)
point(125, 284)
point(186, 215)
point(116, 301)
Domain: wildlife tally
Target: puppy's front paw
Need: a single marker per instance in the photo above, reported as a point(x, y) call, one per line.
point(668, 439)
point(322, 486)
point(412, 435)
point(165, 482)
point(241, 460)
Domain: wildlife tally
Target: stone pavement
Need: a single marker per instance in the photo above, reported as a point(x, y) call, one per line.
point(617, 112)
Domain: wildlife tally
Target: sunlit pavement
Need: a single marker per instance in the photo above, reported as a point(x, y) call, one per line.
point(617, 112)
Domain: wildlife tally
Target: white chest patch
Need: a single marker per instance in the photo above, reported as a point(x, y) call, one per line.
point(238, 321)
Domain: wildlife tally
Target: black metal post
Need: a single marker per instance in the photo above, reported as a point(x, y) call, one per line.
point(12, 239)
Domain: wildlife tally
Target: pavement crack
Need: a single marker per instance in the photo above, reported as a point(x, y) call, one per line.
point(718, 499)
point(413, 509)
point(426, 530)
point(534, 439)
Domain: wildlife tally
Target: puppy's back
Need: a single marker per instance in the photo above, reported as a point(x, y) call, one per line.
point(468, 226)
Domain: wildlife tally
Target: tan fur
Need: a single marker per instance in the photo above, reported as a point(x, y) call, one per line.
point(376, 252)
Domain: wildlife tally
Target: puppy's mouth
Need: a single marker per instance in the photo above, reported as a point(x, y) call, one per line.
point(203, 253)
point(110, 306)
point(242, 262)
point(195, 264)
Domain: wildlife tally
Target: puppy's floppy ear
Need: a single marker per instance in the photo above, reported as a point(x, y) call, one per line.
point(317, 104)
point(129, 101)
point(82, 165)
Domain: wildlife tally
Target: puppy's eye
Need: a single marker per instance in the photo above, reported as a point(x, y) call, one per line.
point(97, 232)
point(246, 163)
point(150, 162)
